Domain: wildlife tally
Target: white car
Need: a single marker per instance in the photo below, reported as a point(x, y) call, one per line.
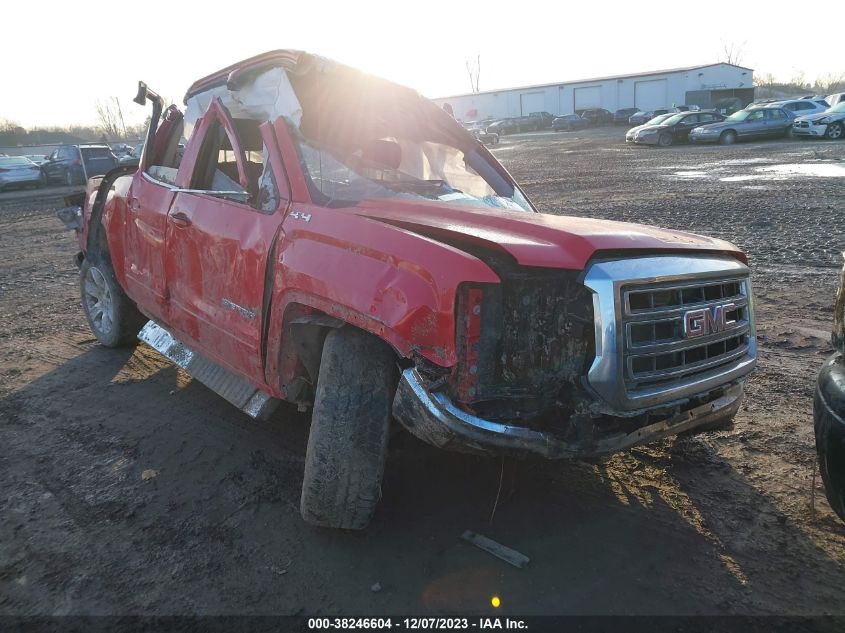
point(803, 107)
point(835, 98)
point(828, 124)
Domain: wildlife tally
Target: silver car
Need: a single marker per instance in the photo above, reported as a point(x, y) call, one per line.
point(752, 123)
point(20, 171)
point(829, 124)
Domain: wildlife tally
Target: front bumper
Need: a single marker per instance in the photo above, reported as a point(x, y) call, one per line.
point(434, 418)
point(650, 139)
point(812, 130)
point(709, 137)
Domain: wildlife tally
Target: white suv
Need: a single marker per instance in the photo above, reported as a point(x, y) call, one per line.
point(803, 107)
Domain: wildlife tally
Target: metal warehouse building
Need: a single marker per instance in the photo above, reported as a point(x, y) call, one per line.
point(706, 86)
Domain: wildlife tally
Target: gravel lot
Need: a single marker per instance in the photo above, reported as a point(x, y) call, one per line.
point(127, 488)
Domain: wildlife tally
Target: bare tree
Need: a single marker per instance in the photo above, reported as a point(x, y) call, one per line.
point(8, 126)
point(474, 71)
point(830, 83)
point(110, 116)
point(732, 53)
point(800, 79)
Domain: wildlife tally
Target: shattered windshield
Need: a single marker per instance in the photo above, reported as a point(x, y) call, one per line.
point(400, 168)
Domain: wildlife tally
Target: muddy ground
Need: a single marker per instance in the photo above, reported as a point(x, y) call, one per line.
point(127, 488)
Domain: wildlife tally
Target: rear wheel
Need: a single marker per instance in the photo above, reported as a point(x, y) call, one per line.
point(834, 131)
point(727, 138)
point(830, 448)
point(347, 443)
point(112, 316)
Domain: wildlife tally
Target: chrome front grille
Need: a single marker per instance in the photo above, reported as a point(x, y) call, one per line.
point(658, 348)
point(669, 327)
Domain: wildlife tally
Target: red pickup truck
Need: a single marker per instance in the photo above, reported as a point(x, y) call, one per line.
point(332, 239)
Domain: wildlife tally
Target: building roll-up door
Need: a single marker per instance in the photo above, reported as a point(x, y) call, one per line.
point(532, 102)
point(587, 97)
point(652, 94)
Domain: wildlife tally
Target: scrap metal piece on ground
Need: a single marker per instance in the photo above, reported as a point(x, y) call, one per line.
point(498, 550)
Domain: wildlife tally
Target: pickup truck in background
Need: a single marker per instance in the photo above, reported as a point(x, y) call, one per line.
point(337, 241)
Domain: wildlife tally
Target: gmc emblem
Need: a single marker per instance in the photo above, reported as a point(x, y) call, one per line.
point(708, 320)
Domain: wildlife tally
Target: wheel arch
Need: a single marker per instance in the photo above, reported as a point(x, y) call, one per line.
point(96, 240)
point(294, 360)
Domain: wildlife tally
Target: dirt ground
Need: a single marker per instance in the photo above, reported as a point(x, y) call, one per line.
point(127, 488)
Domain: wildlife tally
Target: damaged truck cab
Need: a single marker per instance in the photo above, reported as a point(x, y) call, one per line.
point(331, 239)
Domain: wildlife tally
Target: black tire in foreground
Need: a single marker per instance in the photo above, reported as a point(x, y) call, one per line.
point(347, 444)
point(828, 415)
point(112, 316)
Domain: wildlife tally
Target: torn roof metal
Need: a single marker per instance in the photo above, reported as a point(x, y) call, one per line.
point(328, 102)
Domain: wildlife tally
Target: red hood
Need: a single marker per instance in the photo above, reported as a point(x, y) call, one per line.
point(536, 239)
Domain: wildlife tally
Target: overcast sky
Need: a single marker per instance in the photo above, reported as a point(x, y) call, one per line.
point(60, 57)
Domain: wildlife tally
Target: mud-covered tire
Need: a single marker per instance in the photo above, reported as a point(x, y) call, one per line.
point(347, 444)
point(112, 316)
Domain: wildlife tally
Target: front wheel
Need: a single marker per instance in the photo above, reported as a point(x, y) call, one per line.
point(112, 316)
point(834, 131)
point(665, 139)
point(727, 138)
point(347, 444)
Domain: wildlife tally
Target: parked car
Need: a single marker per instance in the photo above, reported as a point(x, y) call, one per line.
point(74, 164)
point(644, 116)
point(803, 107)
point(675, 129)
point(544, 119)
point(622, 116)
point(569, 122)
point(286, 256)
point(752, 123)
point(505, 126)
point(38, 159)
point(596, 116)
point(835, 99)
point(829, 411)
point(479, 130)
point(19, 171)
point(629, 135)
point(829, 124)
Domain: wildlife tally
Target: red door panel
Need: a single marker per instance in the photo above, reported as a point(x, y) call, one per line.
point(148, 205)
point(217, 252)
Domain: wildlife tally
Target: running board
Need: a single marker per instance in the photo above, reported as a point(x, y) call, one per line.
point(244, 395)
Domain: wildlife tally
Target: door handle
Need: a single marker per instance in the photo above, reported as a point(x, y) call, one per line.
point(180, 219)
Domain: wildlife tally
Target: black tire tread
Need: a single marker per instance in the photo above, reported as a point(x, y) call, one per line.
point(350, 427)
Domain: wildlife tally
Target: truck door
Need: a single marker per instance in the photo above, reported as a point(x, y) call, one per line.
point(221, 230)
point(149, 201)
